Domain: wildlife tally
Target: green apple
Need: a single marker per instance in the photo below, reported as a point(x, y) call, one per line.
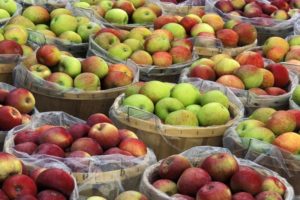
point(85, 30)
point(155, 90)
point(187, 93)
point(106, 5)
point(60, 11)
point(157, 43)
point(262, 114)
point(139, 33)
point(120, 51)
point(70, 66)
point(96, 65)
point(87, 81)
point(116, 16)
point(63, 23)
point(71, 36)
point(251, 76)
point(82, 20)
point(22, 21)
point(133, 88)
point(41, 71)
point(41, 27)
point(4, 14)
point(296, 95)
point(194, 108)
point(248, 124)
point(294, 41)
point(84, 5)
point(106, 40)
point(167, 105)
point(138, 3)
point(27, 50)
point(62, 79)
point(37, 14)
point(214, 96)
point(213, 114)
point(200, 28)
point(46, 33)
point(177, 30)
point(139, 101)
point(259, 133)
point(143, 15)
point(9, 5)
point(182, 118)
point(18, 34)
point(1, 37)
point(203, 61)
point(226, 66)
point(141, 57)
point(134, 44)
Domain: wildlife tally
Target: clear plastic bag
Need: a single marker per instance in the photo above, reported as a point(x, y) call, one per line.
point(293, 104)
point(196, 155)
point(104, 175)
point(250, 100)
point(265, 154)
point(165, 139)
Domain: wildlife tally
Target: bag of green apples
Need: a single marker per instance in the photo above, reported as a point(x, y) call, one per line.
point(104, 159)
point(35, 179)
point(171, 118)
point(9, 9)
point(158, 60)
point(270, 138)
point(256, 81)
point(65, 28)
point(61, 82)
point(212, 173)
point(271, 18)
point(295, 99)
point(16, 108)
point(120, 15)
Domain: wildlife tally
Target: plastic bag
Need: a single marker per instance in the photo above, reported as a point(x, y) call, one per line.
point(146, 71)
point(18, 12)
point(196, 156)
point(293, 104)
point(104, 175)
point(250, 100)
point(165, 139)
point(268, 155)
point(49, 4)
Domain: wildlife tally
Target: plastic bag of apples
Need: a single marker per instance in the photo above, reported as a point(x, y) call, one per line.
point(35, 179)
point(212, 173)
point(103, 159)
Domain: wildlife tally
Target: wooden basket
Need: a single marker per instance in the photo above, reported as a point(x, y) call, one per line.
point(151, 174)
point(166, 140)
point(80, 104)
point(6, 72)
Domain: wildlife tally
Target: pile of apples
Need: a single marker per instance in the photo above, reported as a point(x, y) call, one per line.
point(276, 9)
point(218, 177)
point(7, 9)
point(127, 195)
point(210, 25)
point(275, 127)
point(296, 95)
point(98, 136)
point(246, 71)
point(279, 49)
point(123, 12)
point(91, 74)
point(59, 23)
point(38, 184)
point(15, 108)
point(159, 48)
point(180, 104)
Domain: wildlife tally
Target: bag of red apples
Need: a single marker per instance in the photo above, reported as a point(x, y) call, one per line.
point(269, 138)
point(212, 173)
point(104, 159)
point(16, 108)
point(31, 179)
point(271, 18)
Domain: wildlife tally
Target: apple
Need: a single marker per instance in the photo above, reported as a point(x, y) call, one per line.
point(231, 81)
point(40, 71)
point(26, 147)
point(19, 185)
point(228, 37)
point(226, 66)
point(48, 55)
point(250, 58)
point(65, 184)
point(59, 11)
point(141, 57)
point(132, 195)
point(125, 5)
point(214, 96)
point(272, 183)
point(250, 75)
point(247, 33)
point(259, 133)
point(161, 91)
point(191, 180)
point(50, 149)
point(213, 114)
point(116, 16)
point(189, 21)
point(177, 30)
point(203, 72)
point(281, 122)
point(120, 51)
point(182, 118)
point(167, 105)
point(10, 47)
point(225, 6)
point(296, 95)
point(162, 59)
point(268, 195)
point(63, 23)
point(70, 36)
point(180, 54)
point(37, 14)
point(9, 118)
point(201, 28)
point(3, 95)
point(155, 8)
point(56, 135)
point(143, 15)
point(70, 66)
point(288, 142)
point(134, 146)
point(23, 21)
point(98, 118)
point(116, 150)
point(21, 99)
point(3, 196)
point(87, 145)
point(139, 101)
point(163, 20)
point(214, 191)
point(183, 88)
point(87, 81)
point(78, 154)
point(220, 166)
point(10, 165)
point(247, 125)
point(182, 197)
point(16, 33)
point(106, 40)
point(280, 73)
point(50, 194)
point(296, 113)
point(79, 130)
point(166, 186)
point(62, 79)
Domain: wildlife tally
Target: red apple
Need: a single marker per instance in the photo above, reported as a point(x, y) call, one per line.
point(79, 130)
point(19, 185)
point(3, 196)
point(163, 20)
point(296, 113)
point(203, 72)
point(106, 134)
point(134, 146)
point(116, 150)
point(258, 91)
point(10, 47)
point(228, 37)
point(9, 118)
point(26, 147)
point(26, 136)
point(78, 154)
point(36, 172)
point(50, 149)
point(214, 191)
point(3, 95)
point(98, 118)
point(242, 196)
point(48, 55)
point(272, 183)
point(281, 75)
point(124, 134)
point(57, 135)
point(26, 197)
point(88, 145)
point(116, 32)
point(21, 99)
point(50, 195)
point(250, 58)
point(275, 91)
point(268, 195)
point(225, 6)
point(182, 197)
